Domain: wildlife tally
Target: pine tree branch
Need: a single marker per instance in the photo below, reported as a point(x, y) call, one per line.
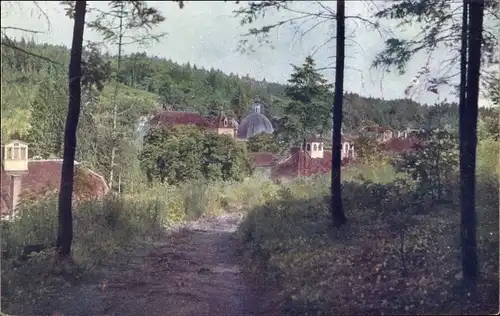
point(15, 28)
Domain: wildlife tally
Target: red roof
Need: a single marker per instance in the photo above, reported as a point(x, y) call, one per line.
point(191, 118)
point(400, 145)
point(300, 163)
point(44, 176)
point(180, 118)
point(263, 159)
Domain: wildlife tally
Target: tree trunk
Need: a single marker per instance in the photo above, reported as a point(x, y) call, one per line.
point(115, 97)
point(463, 93)
point(65, 231)
point(463, 70)
point(468, 142)
point(338, 215)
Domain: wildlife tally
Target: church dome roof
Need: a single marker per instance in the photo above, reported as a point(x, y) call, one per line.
point(255, 123)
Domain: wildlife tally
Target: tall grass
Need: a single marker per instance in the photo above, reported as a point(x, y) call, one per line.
point(103, 226)
point(105, 229)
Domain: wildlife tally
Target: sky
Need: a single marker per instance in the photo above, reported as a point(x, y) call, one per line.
point(207, 34)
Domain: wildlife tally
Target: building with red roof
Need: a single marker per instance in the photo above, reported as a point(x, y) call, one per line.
point(391, 142)
point(310, 159)
point(264, 162)
point(166, 117)
point(263, 159)
point(382, 133)
point(399, 145)
point(37, 178)
point(221, 124)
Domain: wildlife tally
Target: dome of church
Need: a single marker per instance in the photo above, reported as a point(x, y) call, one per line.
point(255, 123)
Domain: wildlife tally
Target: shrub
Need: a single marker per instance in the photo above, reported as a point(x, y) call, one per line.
point(183, 153)
point(432, 163)
point(248, 193)
point(263, 143)
point(368, 150)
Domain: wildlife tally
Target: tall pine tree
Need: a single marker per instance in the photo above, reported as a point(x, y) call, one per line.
point(308, 112)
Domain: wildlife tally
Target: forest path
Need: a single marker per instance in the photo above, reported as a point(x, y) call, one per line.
point(193, 271)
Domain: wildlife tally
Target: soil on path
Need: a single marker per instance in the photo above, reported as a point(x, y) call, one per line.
point(193, 271)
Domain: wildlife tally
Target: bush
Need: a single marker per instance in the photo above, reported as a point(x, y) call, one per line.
point(368, 150)
point(263, 143)
point(184, 153)
point(432, 163)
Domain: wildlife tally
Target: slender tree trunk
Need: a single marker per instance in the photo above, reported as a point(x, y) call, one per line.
point(468, 142)
point(338, 215)
point(463, 100)
point(65, 231)
point(115, 97)
point(463, 71)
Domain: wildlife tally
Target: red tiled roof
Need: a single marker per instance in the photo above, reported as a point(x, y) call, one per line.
point(300, 163)
point(400, 145)
point(44, 176)
point(190, 118)
point(263, 159)
point(180, 118)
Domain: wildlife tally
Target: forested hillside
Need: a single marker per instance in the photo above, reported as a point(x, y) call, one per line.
point(34, 101)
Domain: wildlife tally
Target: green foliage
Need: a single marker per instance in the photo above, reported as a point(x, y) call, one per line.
point(309, 111)
point(376, 261)
point(488, 157)
point(494, 91)
point(263, 143)
point(288, 238)
point(239, 101)
point(432, 163)
point(50, 104)
point(368, 151)
point(95, 70)
point(16, 97)
point(182, 153)
point(489, 126)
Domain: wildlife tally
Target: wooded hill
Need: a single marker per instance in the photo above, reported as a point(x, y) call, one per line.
point(190, 87)
point(34, 101)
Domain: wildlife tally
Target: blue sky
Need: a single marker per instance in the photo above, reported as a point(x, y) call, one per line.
point(207, 34)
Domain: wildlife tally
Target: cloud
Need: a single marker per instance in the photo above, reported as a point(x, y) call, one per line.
point(207, 34)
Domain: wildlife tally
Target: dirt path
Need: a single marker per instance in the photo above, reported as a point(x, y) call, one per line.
point(191, 272)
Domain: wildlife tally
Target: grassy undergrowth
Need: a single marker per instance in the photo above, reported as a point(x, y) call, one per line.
point(398, 253)
point(103, 230)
